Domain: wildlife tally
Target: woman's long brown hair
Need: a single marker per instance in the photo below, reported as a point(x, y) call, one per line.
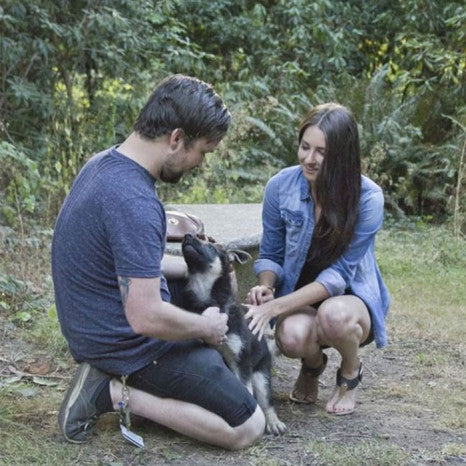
point(338, 185)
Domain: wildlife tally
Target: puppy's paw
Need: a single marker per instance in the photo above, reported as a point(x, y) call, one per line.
point(273, 424)
point(277, 428)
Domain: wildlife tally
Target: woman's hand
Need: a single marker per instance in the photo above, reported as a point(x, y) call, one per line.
point(260, 317)
point(259, 294)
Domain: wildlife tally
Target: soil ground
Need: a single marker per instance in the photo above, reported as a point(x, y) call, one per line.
point(395, 421)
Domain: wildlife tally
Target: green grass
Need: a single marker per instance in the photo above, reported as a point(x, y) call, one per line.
point(425, 269)
point(372, 452)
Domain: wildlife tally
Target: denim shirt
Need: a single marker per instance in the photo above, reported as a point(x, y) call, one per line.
point(288, 224)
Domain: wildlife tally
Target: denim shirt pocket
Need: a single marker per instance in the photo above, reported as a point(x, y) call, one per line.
point(294, 224)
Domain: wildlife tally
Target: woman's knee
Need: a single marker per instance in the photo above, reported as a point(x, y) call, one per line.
point(293, 335)
point(335, 320)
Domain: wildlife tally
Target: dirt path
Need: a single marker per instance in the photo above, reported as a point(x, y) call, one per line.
point(390, 426)
point(400, 418)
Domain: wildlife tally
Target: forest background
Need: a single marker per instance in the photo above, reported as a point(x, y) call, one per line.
point(74, 74)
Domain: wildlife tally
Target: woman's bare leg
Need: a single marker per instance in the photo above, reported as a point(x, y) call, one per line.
point(296, 336)
point(343, 322)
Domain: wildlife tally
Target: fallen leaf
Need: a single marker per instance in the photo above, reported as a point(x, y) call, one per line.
point(13, 370)
point(10, 380)
point(39, 367)
point(44, 381)
point(27, 392)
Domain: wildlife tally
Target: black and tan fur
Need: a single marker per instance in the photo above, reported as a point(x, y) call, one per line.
point(209, 283)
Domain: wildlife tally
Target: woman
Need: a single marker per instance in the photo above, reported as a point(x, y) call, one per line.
point(320, 219)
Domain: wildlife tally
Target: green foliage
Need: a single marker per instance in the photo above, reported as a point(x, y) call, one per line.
point(17, 299)
point(19, 184)
point(62, 96)
point(458, 200)
point(75, 73)
point(417, 177)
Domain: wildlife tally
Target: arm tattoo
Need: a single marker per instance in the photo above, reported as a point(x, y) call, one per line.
point(124, 283)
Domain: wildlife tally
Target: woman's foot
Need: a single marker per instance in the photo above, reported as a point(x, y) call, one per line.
point(307, 384)
point(343, 400)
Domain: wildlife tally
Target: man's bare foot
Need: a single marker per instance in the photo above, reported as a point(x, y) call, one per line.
point(307, 385)
point(343, 400)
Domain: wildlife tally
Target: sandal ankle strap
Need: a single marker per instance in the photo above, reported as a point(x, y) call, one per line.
point(315, 371)
point(349, 384)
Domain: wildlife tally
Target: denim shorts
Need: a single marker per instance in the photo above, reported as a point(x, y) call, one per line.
point(193, 372)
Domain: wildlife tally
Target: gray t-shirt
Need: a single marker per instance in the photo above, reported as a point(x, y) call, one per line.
point(111, 224)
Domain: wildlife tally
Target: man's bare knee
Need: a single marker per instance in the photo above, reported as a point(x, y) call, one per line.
point(249, 432)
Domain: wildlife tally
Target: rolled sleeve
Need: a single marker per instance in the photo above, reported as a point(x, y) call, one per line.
point(262, 265)
point(332, 281)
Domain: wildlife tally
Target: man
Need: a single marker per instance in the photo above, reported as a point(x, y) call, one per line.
point(111, 294)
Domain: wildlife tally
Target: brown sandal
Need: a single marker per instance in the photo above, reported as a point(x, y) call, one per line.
point(312, 372)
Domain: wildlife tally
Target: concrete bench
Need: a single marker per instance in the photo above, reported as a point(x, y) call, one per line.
point(236, 226)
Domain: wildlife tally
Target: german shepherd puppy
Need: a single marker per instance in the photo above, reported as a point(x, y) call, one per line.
point(209, 283)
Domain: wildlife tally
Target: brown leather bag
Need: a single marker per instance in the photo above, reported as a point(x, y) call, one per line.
point(180, 223)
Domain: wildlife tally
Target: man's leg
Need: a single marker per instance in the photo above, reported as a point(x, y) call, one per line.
point(190, 390)
point(192, 420)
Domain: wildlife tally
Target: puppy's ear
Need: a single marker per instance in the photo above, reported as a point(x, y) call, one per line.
point(237, 255)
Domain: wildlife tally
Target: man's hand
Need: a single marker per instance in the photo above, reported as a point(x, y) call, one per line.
point(217, 325)
point(174, 267)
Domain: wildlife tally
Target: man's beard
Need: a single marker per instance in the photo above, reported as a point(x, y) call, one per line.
point(169, 176)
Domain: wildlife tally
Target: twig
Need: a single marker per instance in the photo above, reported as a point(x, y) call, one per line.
point(370, 370)
point(27, 415)
point(15, 371)
point(341, 434)
point(5, 360)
